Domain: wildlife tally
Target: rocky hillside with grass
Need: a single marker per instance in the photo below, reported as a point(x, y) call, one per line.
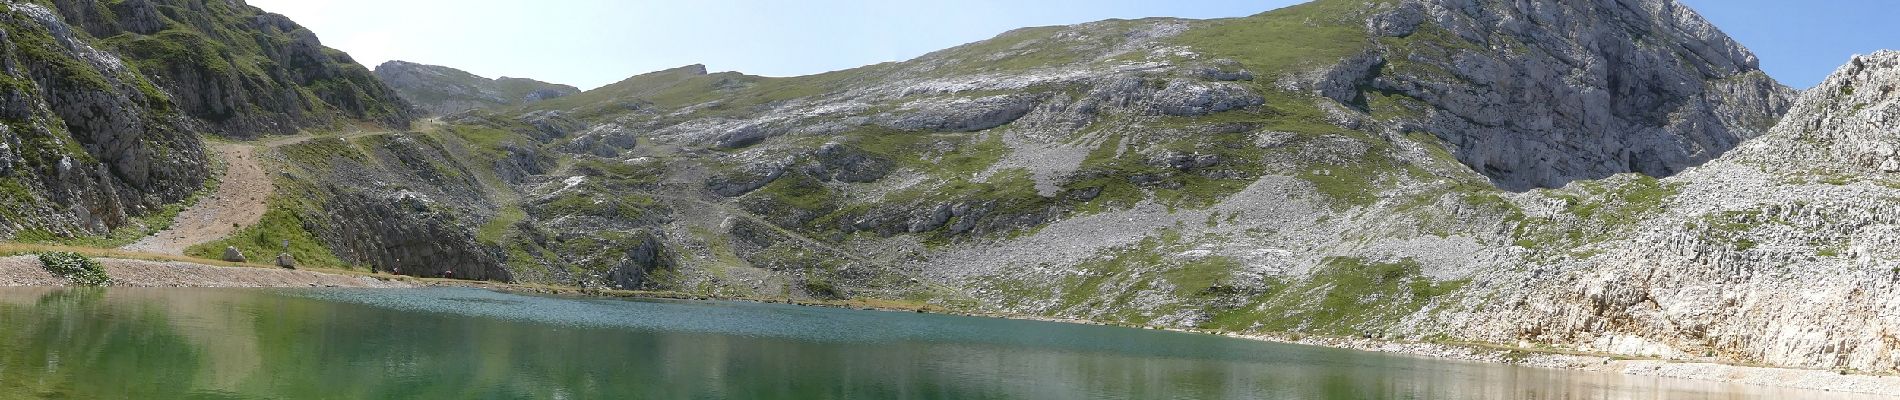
point(442, 90)
point(1777, 253)
point(1611, 176)
point(1551, 174)
point(106, 103)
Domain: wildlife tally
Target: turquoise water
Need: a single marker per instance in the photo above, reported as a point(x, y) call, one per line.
point(475, 344)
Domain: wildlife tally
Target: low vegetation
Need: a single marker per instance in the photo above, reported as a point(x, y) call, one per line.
point(81, 270)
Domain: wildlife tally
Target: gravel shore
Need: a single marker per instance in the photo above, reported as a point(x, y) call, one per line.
point(1831, 381)
point(20, 271)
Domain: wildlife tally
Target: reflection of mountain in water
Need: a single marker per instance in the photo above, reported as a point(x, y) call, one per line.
point(462, 343)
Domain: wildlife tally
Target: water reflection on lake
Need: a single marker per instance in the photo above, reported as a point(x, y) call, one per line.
point(465, 343)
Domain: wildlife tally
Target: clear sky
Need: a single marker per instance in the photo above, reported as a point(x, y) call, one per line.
point(589, 43)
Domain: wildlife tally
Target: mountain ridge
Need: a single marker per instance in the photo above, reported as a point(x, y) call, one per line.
point(444, 91)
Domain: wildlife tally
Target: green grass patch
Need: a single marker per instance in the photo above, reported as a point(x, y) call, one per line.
point(496, 229)
point(282, 222)
point(594, 200)
point(1346, 296)
point(799, 191)
point(1286, 40)
point(1201, 276)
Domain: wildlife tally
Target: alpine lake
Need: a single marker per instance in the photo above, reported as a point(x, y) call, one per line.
point(445, 343)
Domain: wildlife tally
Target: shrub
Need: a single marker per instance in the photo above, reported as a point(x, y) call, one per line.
point(81, 270)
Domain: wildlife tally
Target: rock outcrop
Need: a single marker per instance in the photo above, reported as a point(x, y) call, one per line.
point(1540, 94)
point(444, 91)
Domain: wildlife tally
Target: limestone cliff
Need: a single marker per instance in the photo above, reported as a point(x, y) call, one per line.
point(1539, 94)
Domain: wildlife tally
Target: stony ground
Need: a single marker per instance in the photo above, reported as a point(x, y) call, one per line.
point(25, 271)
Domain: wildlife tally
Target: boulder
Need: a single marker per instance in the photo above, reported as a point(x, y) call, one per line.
point(232, 254)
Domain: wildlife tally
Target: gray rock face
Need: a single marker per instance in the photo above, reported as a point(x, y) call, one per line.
point(959, 114)
point(645, 256)
point(747, 179)
point(747, 135)
point(834, 162)
point(550, 125)
point(139, 16)
point(442, 90)
point(85, 149)
point(233, 255)
point(1578, 90)
point(608, 140)
point(406, 233)
point(1184, 98)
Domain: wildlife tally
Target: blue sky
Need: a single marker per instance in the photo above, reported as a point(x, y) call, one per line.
point(589, 43)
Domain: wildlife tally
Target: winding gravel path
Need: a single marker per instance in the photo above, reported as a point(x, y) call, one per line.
point(242, 197)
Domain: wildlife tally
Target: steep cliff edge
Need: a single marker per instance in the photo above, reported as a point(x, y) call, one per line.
point(443, 91)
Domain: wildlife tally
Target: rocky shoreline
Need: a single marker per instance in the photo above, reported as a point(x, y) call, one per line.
point(25, 271)
point(1821, 380)
point(1805, 379)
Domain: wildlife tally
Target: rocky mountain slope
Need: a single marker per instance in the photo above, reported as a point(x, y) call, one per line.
point(106, 101)
point(1777, 253)
point(1592, 175)
point(443, 91)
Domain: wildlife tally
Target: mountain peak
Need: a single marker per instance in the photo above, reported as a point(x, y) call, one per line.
point(1850, 123)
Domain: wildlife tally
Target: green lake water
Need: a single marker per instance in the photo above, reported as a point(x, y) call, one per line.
point(476, 344)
